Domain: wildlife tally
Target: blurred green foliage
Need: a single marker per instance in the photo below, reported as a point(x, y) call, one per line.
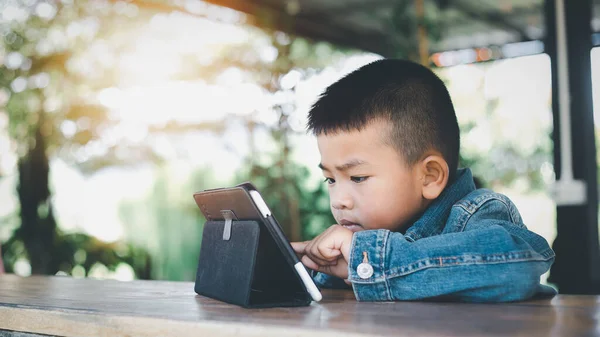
point(41, 41)
point(169, 225)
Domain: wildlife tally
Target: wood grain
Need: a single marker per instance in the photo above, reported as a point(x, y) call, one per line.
point(85, 307)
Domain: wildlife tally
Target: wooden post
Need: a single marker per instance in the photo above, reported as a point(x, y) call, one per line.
point(422, 33)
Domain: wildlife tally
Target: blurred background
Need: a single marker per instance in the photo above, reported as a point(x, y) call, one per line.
point(112, 113)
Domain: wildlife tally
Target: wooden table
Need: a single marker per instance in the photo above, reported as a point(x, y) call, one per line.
point(84, 307)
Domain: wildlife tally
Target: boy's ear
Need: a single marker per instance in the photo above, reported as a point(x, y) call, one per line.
point(434, 176)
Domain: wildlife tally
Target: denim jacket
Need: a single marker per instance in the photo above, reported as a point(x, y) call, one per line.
point(469, 245)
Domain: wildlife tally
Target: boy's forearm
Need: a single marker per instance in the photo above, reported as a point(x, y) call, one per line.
point(498, 286)
point(488, 264)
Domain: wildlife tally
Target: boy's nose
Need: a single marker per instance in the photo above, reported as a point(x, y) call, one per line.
point(342, 202)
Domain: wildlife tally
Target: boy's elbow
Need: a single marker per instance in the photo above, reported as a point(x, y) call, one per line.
point(528, 284)
point(517, 282)
point(521, 289)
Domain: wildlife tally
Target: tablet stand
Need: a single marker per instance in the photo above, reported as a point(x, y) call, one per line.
point(240, 263)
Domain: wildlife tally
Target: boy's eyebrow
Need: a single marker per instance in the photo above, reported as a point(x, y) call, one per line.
point(352, 163)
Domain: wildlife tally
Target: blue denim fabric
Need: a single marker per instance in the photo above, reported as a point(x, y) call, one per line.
point(469, 245)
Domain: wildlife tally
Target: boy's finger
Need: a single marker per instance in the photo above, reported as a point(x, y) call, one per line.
point(328, 253)
point(316, 263)
point(327, 269)
point(318, 260)
point(299, 247)
point(315, 254)
point(313, 250)
point(310, 264)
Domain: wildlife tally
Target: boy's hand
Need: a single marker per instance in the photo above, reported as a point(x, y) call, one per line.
point(327, 253)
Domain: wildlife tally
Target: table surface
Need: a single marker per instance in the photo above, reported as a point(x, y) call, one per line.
point(66, 306)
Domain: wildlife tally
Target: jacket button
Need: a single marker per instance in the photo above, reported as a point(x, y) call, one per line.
point(364, 270)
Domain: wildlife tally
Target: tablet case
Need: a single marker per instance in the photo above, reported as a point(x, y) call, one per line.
point(240, 263)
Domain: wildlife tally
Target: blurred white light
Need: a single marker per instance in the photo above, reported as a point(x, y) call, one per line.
point(148, 64)
point(3, 124)
point(479, 138)
point(468, 56)
point(52, 104)
point(99, 271)
point(547, 171)
point(12, 13)
point(268, 53)
point(111, 97)
point(84, 123)
point(89, 27)
point(135, 132)
point(268, 117)
point(231, 76)
point(45, 10)
point(4, 96)
point(132, 11)
point(282, 38)
point(31, 83)
point(33, 104)
point(124, 272)
point(41, 80)
point(57, 37)
point(458, 57)
point(522, 48)
point(120, 7)
point(26, 65)
point(74, 29)
point(96, 149)
point(289, 80)
point(195, 6)
point(78, 272)
point(43, 47)
point(13, 60)
point(68, 128)
point(8, 160)
point(18, 84)
point(445, 59)
point(22, 267)
point(297, 123)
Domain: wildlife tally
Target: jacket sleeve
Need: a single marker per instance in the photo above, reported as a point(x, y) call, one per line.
point(323, 280)
point(490, 259)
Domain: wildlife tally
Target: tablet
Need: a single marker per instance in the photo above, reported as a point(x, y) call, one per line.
point(244, 202)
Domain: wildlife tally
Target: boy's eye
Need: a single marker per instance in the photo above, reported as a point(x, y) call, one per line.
point(358, 179)
point(329, 181)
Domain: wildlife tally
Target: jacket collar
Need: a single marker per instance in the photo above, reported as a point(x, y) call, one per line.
point(433, 220)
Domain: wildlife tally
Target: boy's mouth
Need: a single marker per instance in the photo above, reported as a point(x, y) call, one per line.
point(353, 226)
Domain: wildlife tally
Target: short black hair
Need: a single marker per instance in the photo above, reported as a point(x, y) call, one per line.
point(408, 95)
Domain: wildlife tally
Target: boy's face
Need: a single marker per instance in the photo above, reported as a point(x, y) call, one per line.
point(370, 186)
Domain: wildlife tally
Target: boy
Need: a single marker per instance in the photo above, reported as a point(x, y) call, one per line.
point(410, 225)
